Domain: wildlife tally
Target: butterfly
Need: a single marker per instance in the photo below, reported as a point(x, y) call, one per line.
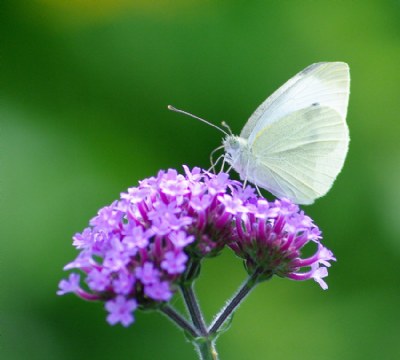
point(295, 143)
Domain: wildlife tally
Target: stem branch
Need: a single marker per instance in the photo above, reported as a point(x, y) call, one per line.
point(179, 320)
point(193, 308)
point(235, 301)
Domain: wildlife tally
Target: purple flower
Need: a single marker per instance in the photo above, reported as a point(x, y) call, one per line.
point(115, 260)
point(161, 210)
point(200, 203)
point(272, 243)
point(83, 260)
point(180, 239)
point(217, 183)
point(159, 291)
point(107, 218)
point(324, 256)
point(175, 185)
point(98, 280)
point(135, 237)
point(83, 240)
point(120, 310)
point(232, 205)
point(124, 283)
point(263, 209)
point(70, 285)
point(160, 227)
point(136, 195)
point(174, 262)
point(147, 273)
point(318, 274)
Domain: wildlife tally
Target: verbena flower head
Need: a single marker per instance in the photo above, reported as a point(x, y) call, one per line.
point(271, 236)
point(138, 250)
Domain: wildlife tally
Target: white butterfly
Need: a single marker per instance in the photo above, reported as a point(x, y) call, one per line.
point(295, 143)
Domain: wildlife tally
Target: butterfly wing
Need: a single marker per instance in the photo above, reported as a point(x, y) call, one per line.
point(299, 156)
point(325, 84)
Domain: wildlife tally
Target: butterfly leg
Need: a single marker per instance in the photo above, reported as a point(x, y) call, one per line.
point(229, 169)
point(214, 164)
point(223, 165)
point(247, 171)
point(212, 157)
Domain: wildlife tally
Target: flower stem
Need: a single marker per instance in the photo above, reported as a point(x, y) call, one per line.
point(235, 301)
point(179, 320)
point(193, 308)
point(206, 350)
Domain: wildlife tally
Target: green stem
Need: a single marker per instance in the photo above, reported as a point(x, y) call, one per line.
point(236, 300)
point(206, 350)
point(193, 308)
point(179, 320)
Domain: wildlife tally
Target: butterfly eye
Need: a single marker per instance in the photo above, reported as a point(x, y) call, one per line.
point(234, 144)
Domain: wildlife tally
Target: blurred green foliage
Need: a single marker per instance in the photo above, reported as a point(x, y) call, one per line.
point(85, 85)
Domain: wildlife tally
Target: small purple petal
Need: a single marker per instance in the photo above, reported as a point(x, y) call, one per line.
point(136, 195)
point(147, 273)
point(98, 280)
point(135, 238)
point(120, 310)
point(325, 255)
point(217, 184)
point(232, 205)
point(83, 240)
point(124, 283)
point(194, 175)
point(70, 285)
point(174, 262)
point(84, 260)
point(159, 291)
point(115, 260)
point(180, 239)
point(319, 274)
point(176, 187)
point(107, 218)
point(201, 203)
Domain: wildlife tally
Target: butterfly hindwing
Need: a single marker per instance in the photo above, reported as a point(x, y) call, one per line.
point(299, 156)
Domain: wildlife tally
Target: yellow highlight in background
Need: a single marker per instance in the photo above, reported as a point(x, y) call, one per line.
point(80, 12)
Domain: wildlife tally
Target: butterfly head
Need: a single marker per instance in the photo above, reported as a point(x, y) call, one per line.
point(234, 146)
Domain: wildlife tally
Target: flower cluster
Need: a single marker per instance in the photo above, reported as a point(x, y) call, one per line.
point(270, 238)
point(138, 250)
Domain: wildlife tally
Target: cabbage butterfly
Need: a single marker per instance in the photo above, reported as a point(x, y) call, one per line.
point(295, 143)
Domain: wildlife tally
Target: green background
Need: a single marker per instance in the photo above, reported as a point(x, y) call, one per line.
point(84, 89)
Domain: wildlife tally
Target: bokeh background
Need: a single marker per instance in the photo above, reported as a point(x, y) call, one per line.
point(84, 90)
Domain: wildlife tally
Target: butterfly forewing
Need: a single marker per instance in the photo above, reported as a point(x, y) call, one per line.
point(323, 84)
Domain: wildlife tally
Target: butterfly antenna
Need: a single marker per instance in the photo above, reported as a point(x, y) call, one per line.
point(197, 118)
point(224, 124)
